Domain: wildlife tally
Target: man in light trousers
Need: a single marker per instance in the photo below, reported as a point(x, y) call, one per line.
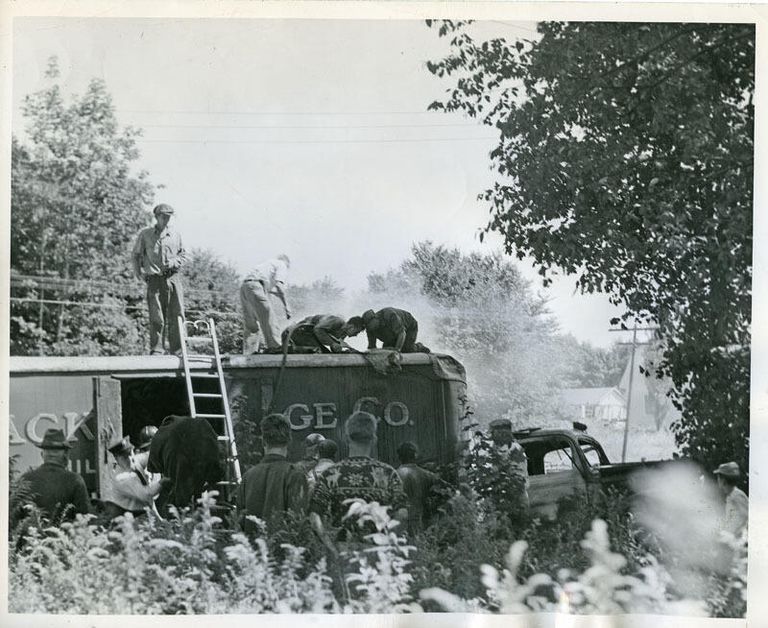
point(157, 259)
point(266, 279)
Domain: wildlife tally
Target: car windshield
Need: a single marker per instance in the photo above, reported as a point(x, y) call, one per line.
point(593, 452)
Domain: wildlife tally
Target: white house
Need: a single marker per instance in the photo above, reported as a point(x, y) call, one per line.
point(603, 404)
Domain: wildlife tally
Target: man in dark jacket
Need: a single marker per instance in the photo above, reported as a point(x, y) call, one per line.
point(419, 485)
point(186, 451)
point(56, 491)
point(396, 329)
point(274, 485)
point(321, 332)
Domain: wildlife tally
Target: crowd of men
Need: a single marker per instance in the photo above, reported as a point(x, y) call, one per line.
point(159, 256)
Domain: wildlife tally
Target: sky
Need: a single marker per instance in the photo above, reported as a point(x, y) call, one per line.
point(308, 137)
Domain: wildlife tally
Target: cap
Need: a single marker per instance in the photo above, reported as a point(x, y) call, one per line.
point(501, 424)
point(123, 447)
point(54, 439)
point(162, 208)
point(728, 470)
point(313, 439)
point(145, 437)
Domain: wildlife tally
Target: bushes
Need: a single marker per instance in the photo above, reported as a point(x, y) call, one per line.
point(466, 560)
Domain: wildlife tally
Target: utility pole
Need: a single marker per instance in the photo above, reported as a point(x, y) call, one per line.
point(634, 344)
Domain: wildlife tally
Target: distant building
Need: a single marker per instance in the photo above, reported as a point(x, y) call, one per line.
point(598, 404)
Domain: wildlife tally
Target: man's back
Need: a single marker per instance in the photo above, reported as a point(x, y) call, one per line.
point(389, 322)
point(55, 488)
point(417, 484)
point(736, 511)
point(356, 477)
point(273, 485)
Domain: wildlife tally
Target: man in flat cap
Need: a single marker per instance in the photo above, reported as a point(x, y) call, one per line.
point(266, 279)
point(728, 476)
point(55, 490)
point(510, 456)
point(157, 259)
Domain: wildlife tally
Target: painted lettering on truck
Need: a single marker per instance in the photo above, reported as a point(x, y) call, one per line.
point(325, 414)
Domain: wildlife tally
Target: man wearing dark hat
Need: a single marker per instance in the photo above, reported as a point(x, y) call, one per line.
point(55, 490)
point(321, 332)
point(728, 475)
point(131, 489)
point(395, 328)
point(358, 476)
point(274, 485)
point(157, 259)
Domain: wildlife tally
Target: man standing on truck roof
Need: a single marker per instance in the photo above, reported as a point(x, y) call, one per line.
point(321, 332)
point(397, 329)
point(158, 256)
point(274, 485)
point(358, 476)
point(736, 500)
point(265, 279)
point(58, 492)
point(515, 467)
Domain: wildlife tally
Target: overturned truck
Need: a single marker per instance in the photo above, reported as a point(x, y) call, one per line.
point(98, 399)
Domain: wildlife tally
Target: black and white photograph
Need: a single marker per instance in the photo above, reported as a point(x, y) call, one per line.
point(434, 313)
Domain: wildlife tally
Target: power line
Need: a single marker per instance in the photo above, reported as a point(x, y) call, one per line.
point(305, 126)
point(387, 141)
point(278, 113)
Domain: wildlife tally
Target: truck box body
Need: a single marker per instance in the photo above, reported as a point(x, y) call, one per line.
point(96, 400)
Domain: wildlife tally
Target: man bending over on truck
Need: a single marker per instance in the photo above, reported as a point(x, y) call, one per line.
point(321, 332)
point(396, 329)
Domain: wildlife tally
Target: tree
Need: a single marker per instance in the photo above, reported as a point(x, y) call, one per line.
point(211, 290)
point(586, 366)
point(480, 309)
point(625, 158)
point(75, 209)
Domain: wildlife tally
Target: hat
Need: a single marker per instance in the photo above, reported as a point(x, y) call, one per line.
point(313, 439)
point(501, 424)
point(728, 470)
point(123, 447)
point(162, 208)
point(145, 437)
point(54, 439)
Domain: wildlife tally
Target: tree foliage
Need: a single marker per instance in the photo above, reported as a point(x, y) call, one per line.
point(480, 309)
point(76, 205)
point(625, 158)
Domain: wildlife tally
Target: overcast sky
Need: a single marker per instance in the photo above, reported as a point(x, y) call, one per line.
point(309, 137)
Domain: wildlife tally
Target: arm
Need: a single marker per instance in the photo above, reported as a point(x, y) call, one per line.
point(400, 340)
point(371, 338)
point(281, 295)
point(398, 498)
point(298, 492)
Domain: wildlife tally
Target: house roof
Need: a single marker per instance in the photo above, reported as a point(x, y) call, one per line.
point(591, 396)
